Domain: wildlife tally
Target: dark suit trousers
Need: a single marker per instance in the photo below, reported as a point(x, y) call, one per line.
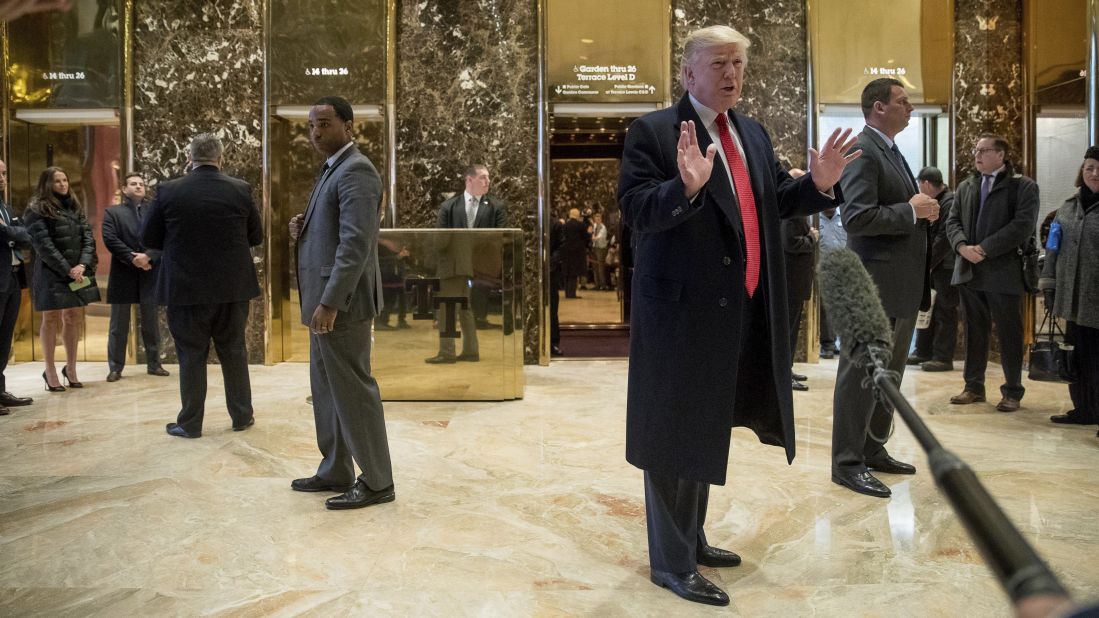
point(675, 508)
point(1085, 390)
point(9, 313)
point(1006, 310)
point(119, 332)
point(192, 327)
point(347, 408)
point(938, 340)
point(794, 310)
point(861, 425)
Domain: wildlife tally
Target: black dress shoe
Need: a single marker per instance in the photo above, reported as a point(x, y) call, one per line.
point(71, 383)
point(174, 429)
point(885, 463)
point(556, 351)
point(316, 483)
point(11, 401)
point(691, 586)
point(158, 371)
point(915, 359)
point(799, 377)
point(359, 496)
point(4, 411)
point(251, 421)
point(863, 483)
point(440, 359)
point(715, 557)
point(1072, 417)
point(469, 358)
point(114, 376)
point(798, 386)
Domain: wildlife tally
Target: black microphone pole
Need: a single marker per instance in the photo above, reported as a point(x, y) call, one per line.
point(1020, 569)
point(854, 306)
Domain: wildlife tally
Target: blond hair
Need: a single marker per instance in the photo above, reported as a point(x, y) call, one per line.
point(711, 36)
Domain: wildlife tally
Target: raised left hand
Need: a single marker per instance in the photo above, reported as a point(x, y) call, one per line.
point(826, 165)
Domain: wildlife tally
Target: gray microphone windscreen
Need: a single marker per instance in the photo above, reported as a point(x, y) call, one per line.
point(851, 300)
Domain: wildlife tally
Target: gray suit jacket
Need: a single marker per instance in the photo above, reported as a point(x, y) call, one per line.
point(338, 244)
point(880, 226)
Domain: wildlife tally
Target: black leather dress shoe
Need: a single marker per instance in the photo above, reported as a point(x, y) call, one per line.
point(469, 358)
point(359, 496)
point(1072, 417)
point(316, 483)
point(158, 371)
point(715, 557)
point(798, 386)
point(440, 359)
point(916, 360)
point(174, 429)
point(251, 421)
point(799, 377)
point(114, 376)
point(885, 463)
point(863, 483)
point(556, 351)
point(691, 586)
point(11, 401)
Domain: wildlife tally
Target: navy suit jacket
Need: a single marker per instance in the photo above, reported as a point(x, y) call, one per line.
point(688, 293)
point(204, 223)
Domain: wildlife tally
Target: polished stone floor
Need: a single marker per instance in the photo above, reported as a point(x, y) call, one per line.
point(524, 508)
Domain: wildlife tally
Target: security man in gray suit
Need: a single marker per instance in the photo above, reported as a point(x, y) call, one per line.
point(340, 283)
point(886, 218)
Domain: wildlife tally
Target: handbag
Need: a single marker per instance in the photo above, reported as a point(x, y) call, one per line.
point(1051, 359)
point(1028, 260)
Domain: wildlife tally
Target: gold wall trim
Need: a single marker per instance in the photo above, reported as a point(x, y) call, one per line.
point(542, 221)
point(391, 112)
point(272, 342)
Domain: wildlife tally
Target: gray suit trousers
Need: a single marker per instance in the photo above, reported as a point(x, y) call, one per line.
point(347, 408)
point(861, 425)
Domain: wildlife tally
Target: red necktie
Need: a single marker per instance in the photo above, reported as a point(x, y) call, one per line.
point(747, 204)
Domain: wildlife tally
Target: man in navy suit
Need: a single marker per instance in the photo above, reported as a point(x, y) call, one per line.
point(709, 289)
point(132, 280)
point(13, 238)
point(205, 223)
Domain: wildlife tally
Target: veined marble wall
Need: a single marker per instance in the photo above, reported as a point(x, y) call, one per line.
point(198, 67)
point(467, 91)
point(989, 89)
point(776, 81)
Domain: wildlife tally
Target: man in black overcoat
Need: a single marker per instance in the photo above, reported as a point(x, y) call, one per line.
point(702, 192)
point(132, 279)
point(205, 224)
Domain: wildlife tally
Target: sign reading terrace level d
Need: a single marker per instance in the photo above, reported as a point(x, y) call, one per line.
point(589, 61)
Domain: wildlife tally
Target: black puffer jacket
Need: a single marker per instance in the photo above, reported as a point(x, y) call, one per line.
point(60, 244)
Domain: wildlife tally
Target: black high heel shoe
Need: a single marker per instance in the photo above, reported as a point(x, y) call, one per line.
point(52, 389)
point(70, 382)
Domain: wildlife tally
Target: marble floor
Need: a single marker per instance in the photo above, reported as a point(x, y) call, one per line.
point(523, 508)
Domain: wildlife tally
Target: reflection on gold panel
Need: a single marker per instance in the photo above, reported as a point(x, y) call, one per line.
point(451, 328)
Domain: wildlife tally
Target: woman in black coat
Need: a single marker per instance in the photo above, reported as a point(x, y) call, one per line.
point(64, 257)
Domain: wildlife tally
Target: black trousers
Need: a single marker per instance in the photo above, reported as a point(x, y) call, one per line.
point(827, 333)
point(555, 306)
point(1085, 391)
point(860, 424)
point(119, 331)
point(1006, 310)
point(675, 508)
point(795, 309)
point(9, 313)
point(192, 327)
point(938, 340)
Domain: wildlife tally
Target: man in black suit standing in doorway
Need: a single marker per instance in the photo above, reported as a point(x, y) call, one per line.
point(132, 279)
point(13, 238)
point(205, 223)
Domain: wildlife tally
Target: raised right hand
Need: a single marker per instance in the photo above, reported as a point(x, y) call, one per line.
point(694, 168)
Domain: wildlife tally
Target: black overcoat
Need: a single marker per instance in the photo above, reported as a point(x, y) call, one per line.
point(688, 289)
point(121, 230)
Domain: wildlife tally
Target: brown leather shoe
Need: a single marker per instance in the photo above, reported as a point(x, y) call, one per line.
point(1007, 404)
point(966, 397)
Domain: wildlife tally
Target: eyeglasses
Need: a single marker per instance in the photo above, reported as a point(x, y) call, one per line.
point(981, 151)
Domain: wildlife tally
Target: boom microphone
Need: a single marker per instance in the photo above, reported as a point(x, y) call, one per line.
point(854, 308)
